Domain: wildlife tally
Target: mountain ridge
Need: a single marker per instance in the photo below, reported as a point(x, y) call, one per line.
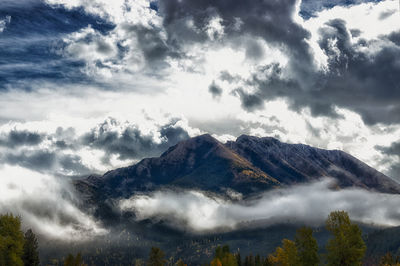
point(248, 165)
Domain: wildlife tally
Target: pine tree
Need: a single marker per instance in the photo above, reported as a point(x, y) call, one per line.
point(307, 247)
point(11, 240)
point(224, 256)
point(156, 257)
point(30, 256)
point(347, 247)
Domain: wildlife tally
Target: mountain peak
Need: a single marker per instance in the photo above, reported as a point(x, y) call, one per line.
point(202, 142)
point(247, 165)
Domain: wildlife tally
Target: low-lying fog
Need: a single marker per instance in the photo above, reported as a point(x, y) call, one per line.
point(309, 204)
point(49, 206)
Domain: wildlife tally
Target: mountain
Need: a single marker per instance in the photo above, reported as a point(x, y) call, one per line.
point(201, 162)
point(297, 163)
point(249, 164)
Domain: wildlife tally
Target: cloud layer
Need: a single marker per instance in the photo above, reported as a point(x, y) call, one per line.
point(88, 86)
point(200, 212)
point(64, 152)
point(314, 72)
point(45, 204)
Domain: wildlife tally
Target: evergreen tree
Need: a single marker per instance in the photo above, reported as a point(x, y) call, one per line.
point(286, 255)
point(30, 256)
point(347, 247)
point(156, 257)
point(307, 247)
point(238, 259)
point(11, 240)
point(74, 261)
point(224, 256)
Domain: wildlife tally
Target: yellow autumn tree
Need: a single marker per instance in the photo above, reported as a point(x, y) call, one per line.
point(287, 255)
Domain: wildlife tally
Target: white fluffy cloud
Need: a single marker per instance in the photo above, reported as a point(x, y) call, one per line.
point(310, 204)
point(369, 20)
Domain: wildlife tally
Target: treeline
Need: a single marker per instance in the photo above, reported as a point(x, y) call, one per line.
point(345, 247)
point(21, 249)
point(17, 248)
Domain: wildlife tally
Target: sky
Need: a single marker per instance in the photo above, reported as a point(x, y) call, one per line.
point(88, 86)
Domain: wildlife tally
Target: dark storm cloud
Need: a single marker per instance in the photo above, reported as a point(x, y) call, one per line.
point(215, 90)
point(395, 37)
point(131, 143)
point(355, 32)
point(73, 164)
point(226, 76)
point(269, 20)
point(46, 161)
point(394, 165)
point(36, 160)
point(393, 149)
point(387, 13)
point(64, 138)
point(17, 150)
point(254, 50)
point(17, 138)
point(155, 49)
point(186, 21)
point(127, 142)
point(250, 102)
point(367, 85)
point(172, 135)
point(103, 47)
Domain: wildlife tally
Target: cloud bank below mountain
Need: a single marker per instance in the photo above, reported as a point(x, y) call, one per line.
point(46, 204)
point(199, 212)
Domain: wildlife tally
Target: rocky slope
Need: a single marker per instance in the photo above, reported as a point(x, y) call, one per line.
point(297, 163)
point(249, 164)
